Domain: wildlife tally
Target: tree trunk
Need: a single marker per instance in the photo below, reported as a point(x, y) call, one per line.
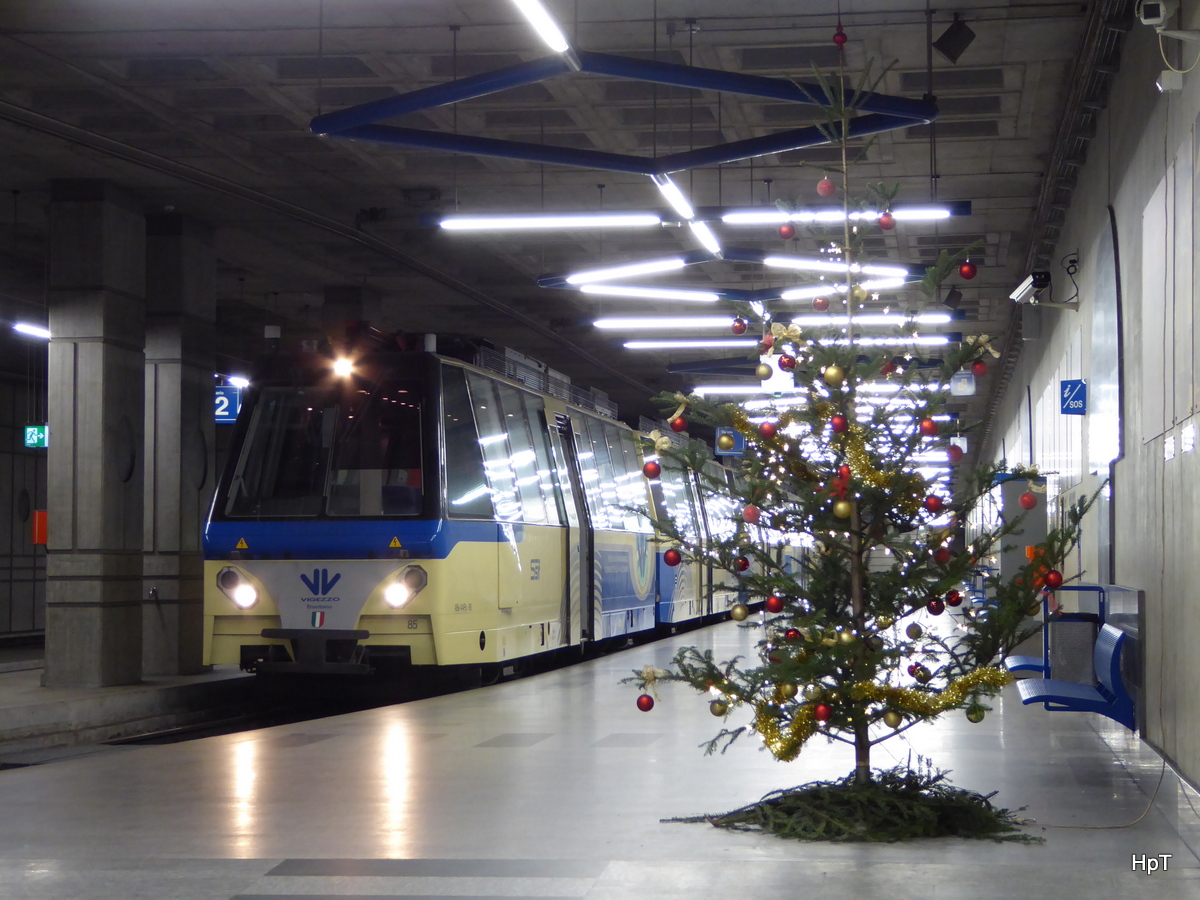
point(862, 740)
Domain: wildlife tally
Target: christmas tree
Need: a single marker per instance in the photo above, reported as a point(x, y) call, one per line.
point(835, 465)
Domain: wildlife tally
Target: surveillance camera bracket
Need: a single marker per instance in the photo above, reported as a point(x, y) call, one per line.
point(1190, 36)
point(1073, 305)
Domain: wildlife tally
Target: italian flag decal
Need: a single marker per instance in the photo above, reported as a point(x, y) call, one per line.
point(318, 619)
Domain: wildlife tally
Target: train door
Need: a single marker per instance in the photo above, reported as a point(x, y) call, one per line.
point(580, 587)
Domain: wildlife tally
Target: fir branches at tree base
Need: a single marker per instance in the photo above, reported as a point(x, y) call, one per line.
point(899, 804)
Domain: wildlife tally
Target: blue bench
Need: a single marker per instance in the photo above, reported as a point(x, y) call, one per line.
point(1025, 664)
point(1109, 696)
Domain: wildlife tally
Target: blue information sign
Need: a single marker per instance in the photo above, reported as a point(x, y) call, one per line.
point(739, 442)
point(1073, 397)
point(228, 404)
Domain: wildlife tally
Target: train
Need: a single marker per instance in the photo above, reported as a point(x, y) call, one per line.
point(396, 508)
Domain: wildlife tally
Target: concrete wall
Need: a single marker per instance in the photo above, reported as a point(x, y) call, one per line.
point(1142, 163)
point(22, 490)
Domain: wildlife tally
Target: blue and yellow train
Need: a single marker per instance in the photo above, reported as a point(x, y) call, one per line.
point(417, 508)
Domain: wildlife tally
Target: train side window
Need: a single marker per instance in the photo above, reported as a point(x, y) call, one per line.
point(497, 451)
point(589, 475)
point(679, 500)
point(535, 409)
point(605, 492)
point(523, 462)
point(467, 492)
point(631, 489)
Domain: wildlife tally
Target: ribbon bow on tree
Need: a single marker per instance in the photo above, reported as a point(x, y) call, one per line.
point(982, 342)
point(783, 332)
point(661, 441)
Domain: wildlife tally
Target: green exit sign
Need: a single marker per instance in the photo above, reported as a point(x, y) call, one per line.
point(36, 435)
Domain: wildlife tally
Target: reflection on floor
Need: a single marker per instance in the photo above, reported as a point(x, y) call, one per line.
point(553, 787)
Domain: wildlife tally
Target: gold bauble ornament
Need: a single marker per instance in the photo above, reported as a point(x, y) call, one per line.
point(893, 719)
point(846, 637)
point(923, 675)
point(812, 692)
point(975, 714)
point(834, 375)
point(914, 631)
point(763, 371)
point(725, 441)
point(718, 708)
point(739, 612)
point(1034, 608)
point(843, 509)
point(787, 690)
point(859, 293)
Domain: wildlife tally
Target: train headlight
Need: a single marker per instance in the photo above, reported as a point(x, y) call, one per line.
point(245, 596)
point(234, 586)
point(410, 583)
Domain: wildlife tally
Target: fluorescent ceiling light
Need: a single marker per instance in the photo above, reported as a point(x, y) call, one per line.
point(544, 24)
point(238, 381)
point(888, 388)
point(532, 222)
point(664, 322)
point(32, 330)
point(874, 319)
point(643, 268)
point(693, 344)
point(705, 236)
point(778, 216)
point(707, 389)
point(922, 339)
point(649, 293)
point(670, 190)
point(820, 290)
point(828, 265)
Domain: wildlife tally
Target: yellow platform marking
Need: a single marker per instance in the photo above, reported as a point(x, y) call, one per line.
point(241, 544)
point(395, 542)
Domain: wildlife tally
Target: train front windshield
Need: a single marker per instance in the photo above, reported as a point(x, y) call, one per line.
point(331, 452)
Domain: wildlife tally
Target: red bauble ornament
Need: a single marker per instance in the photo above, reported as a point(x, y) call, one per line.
point(968, 270)
point(741, 563)
point(839, 38)
point(888, 368)
point(935, 607)
point(651, 469)
point(1028, 500)
point(751, 514)
point(767, 430)
point(933, 503)
point(844, 473)
point(672, 558)
point(792, 634)
point(941, 556)
point(739, 326)
point(774, 604)
point(787, 363)
point(1053, 579)
point(928, 427)
point(645, 703)
point(679, 423)
point(787, 231)
point(840, 424)
point(820, 304)
point(953, 598)
point(826, 188)
point(955, 453)
point(768, 342)
point(887, 221)
point(822, 712)
point(979, 368)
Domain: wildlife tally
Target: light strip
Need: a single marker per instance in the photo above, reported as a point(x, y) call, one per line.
point(920, 339)
point(707, 389)
point(642, 322)
point(32, 330)
point(827, 265)
point(643, 268)
point(529, 223)
point(705, 236)
point(693, 344)
point(670, 190)
point(544, 24)
point(649, 293)
point(874, 319)
point(778, 216)
point(804, 293)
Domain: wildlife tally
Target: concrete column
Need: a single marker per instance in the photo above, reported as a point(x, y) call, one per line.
point(180, 310)
point(348, 303)
point(97, 277)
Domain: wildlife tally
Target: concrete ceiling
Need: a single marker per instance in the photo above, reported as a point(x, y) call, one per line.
point(203, 108)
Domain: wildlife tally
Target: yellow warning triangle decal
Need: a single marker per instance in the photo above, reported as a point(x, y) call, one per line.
point(395, 542)
point(241, 544)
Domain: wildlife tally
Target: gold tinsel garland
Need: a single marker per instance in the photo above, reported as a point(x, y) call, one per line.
point(785, 745)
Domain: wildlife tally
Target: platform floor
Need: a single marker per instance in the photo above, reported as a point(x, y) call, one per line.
point(553, 787)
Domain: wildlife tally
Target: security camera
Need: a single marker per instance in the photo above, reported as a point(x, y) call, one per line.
point(1028, 290)
point(1156, 12)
